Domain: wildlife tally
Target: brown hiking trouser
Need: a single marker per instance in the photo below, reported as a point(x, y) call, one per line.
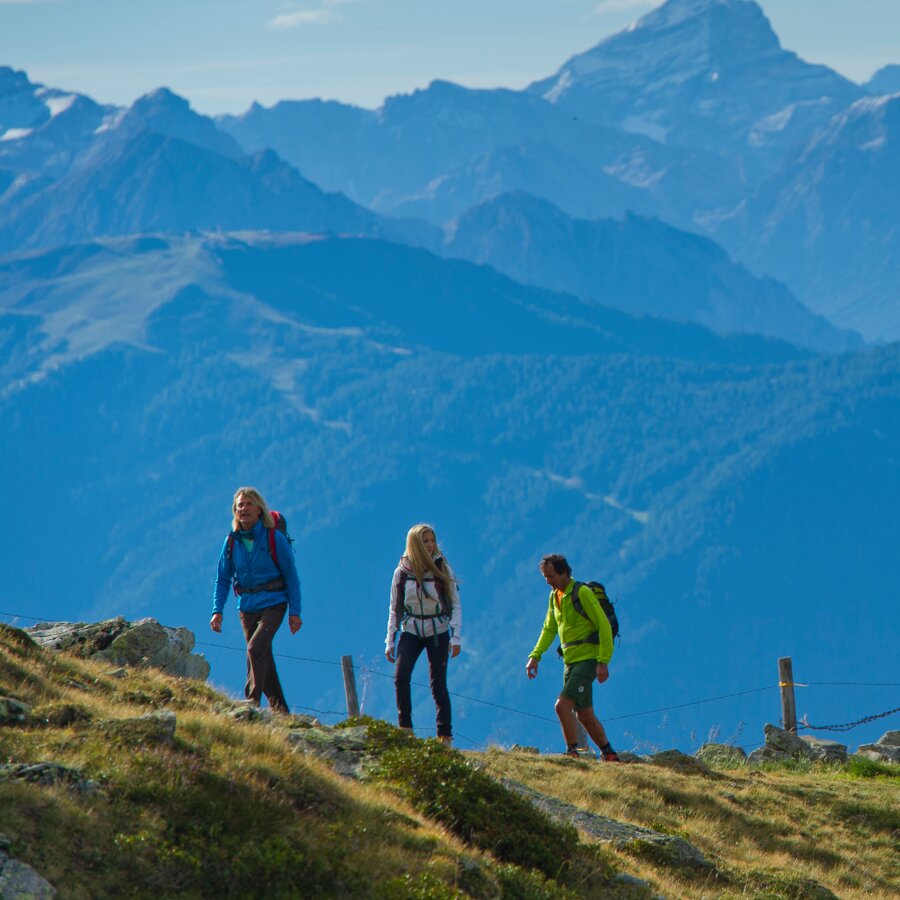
point(262, 677)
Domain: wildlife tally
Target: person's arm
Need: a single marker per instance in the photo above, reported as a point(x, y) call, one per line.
point(288, 567)
point(594, 610)
point(395, 615)
point(548, 633)
point(221, 586)
point(455, 612)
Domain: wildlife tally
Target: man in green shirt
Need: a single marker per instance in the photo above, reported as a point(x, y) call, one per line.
point(587, 646)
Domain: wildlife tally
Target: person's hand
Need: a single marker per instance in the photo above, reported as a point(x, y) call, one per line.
point(216, 623)
point(454, 651)
point(294, 623)
point(531, 667)
point(602, 672)
point(389, 655)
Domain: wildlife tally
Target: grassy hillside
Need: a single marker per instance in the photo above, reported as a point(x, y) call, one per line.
point(229, 807)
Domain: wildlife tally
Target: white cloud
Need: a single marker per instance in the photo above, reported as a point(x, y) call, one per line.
point(301, 18)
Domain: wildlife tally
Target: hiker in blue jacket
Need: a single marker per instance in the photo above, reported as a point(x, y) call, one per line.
point(257, 559)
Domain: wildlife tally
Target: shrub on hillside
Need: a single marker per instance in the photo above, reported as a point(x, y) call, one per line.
point(442, 784)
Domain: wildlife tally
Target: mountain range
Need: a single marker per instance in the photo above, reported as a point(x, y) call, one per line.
point(639, 312)
point(367, 386)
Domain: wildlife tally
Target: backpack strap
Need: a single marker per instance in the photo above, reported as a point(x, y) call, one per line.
point(272, 551)
point(594, 636)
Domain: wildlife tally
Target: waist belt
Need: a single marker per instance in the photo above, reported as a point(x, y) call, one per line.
point(593, 638)
point(276, 584)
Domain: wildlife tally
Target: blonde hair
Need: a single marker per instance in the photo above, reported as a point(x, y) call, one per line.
point(256, 497)
point(419, 558)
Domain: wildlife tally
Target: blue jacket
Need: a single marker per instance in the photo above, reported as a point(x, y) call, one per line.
point(257, 567)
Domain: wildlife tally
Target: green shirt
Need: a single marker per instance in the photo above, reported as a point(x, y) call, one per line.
point(565, 620)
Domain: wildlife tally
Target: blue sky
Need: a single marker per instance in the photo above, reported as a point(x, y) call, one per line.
point(223, 54)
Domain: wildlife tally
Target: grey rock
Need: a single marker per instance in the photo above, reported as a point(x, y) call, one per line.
point(787, 742)
point(891, 738)
point(721, 755)
point(141, 643)
point(672, 849)
point(626, 756)
point(880, 752)
point(768, 754)
point(518, 748)
point(631, 880)
point(48, 773)
point(13, 712)
point(826, 750)
point(344, 748)
point(679, 762)
point(19, 881)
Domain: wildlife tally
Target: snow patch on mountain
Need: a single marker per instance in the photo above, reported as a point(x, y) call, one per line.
point(15, 134)
point(59, 103)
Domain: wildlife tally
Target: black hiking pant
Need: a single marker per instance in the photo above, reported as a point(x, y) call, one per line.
point(409, 649)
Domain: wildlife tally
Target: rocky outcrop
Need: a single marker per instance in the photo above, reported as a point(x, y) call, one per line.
point(666, 848)
point(721, 755)
point(344, 748)
point(141, 643)
point(19, 881)
point(784, 745)
point(13, 712)
point(680, 762)
point(885, 749)
point(48, 773)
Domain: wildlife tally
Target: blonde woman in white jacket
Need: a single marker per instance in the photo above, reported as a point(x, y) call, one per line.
point(425, 611)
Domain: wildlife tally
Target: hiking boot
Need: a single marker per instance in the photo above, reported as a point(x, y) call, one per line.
point(571, 754)
point(445, 739)
point(611, 757)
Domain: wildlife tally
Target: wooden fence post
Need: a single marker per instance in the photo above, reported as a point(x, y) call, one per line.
point(350, 687)
point(786, 683)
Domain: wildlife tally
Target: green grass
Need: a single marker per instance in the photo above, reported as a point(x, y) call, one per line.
point(229, 809)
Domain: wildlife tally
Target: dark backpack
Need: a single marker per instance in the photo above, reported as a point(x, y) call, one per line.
point(605, 604)
point(278, 583)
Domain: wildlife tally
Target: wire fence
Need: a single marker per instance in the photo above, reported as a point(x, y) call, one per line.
point(367, 671)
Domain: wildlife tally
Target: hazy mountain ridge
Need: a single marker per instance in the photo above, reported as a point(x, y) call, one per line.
point(640, 265)
point(808, 224)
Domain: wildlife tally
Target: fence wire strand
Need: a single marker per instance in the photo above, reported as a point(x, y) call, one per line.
point(369, 671)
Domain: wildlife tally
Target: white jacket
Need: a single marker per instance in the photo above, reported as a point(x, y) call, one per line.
point(414, 607)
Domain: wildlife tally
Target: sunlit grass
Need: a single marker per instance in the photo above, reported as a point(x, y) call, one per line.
point(773, 833)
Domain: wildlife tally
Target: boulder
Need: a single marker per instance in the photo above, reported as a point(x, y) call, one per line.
point(20, 881)
point(768, 754)
point(668, 849)
point(890, 739)
point(787, 742)
point(826, 750)
point(679, 762)
point(879, 752)
point(48, 773)
point(344, 748)
point(13, 712)
point(723, 755)
point(122, 643)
